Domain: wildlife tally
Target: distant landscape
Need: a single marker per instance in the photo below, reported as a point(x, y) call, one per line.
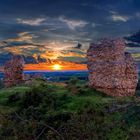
point(56, 76)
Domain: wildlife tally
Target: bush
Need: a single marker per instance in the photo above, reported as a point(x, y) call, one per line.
point(32, 98)
point(13, 98)
point(51, 111)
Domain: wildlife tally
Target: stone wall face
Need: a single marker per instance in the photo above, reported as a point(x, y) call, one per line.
point(111, 69)
point(13, 71)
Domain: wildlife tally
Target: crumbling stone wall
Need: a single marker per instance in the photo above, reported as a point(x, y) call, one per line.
point(13, 71)
point(111, 69)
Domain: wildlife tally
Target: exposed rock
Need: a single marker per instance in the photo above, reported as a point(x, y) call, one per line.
point(13, 71)
point(111, 69)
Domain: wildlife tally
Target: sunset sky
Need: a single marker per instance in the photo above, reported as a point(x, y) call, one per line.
point(51, 29)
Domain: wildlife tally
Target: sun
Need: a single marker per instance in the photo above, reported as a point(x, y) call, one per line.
point(56, 67)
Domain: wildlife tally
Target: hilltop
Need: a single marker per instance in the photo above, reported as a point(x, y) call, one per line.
point(41, 110)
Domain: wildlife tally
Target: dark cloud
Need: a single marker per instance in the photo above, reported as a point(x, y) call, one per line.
point(60, 24)
point(19, 16)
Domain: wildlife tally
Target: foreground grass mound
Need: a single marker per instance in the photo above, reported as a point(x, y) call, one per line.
point(66, 111)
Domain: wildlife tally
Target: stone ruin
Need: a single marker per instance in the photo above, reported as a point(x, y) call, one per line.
point(13, 71)
point(111, 69)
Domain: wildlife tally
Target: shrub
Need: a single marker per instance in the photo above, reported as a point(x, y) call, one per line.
point(13, 98)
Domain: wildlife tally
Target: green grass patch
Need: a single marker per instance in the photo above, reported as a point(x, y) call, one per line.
point(72, 108)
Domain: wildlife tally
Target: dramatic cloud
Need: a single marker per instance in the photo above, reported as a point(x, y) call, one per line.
point(23, 37)
point(118, 17)
point(138, 14)
point(93, 25)
point(72, 24)
point(52, 29)
point(31, 22)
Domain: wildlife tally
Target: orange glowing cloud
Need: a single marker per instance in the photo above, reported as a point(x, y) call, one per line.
point(50, 54)
point(62, 65)
point(19, 49)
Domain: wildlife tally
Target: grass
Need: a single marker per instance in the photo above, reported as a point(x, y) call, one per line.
point(63, 93)
point(6, 93)
point(71, 107)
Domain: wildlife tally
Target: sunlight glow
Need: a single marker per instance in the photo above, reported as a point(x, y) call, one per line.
point(56, 67)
